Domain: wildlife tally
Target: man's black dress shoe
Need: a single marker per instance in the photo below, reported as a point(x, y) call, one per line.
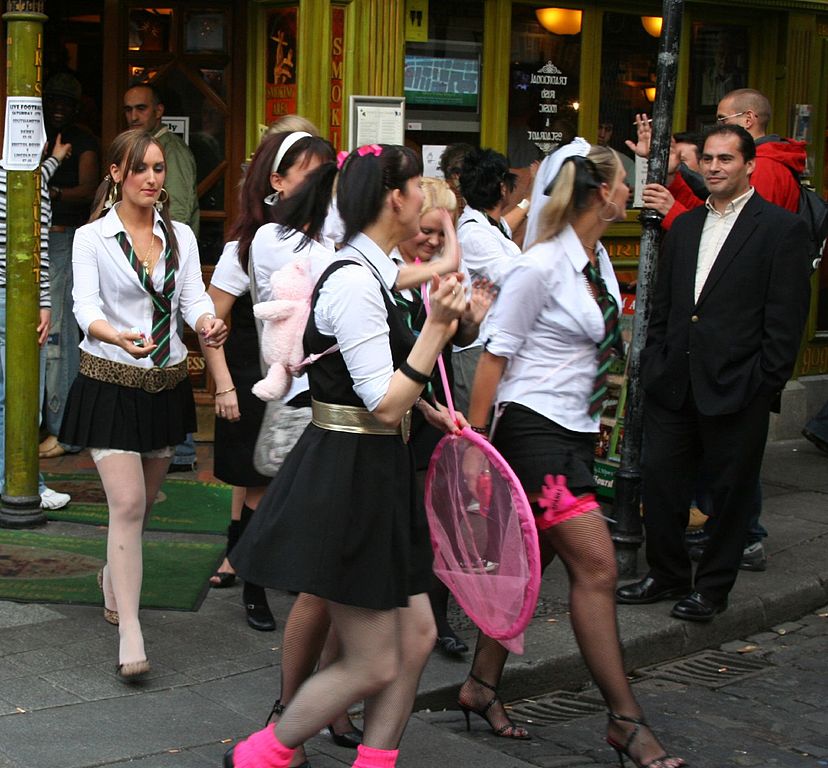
point(648, 590)
point(697, 607)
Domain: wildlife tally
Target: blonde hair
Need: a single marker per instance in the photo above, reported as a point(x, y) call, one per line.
point(437, 194)
point(290, 124)
point(573, 190)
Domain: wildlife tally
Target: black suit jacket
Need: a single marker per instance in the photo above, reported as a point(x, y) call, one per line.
point(742, 337)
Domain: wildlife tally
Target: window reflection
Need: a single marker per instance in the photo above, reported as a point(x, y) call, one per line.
point(544, 88)
point(628, 73)
point(718, 65)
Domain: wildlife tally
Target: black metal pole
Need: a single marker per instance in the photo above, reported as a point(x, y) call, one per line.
point(627, 530)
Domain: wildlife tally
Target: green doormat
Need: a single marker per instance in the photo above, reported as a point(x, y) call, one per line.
point(35, 567)
point(185, 506)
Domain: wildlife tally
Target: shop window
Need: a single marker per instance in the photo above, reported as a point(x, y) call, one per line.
point(718, 64)
point(204, 33)
point(150, 29)
point(544, 84)
point(442, 73)
point(629, 51)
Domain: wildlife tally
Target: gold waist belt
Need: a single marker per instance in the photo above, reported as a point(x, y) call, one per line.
point(152, 380)
point(349, 418)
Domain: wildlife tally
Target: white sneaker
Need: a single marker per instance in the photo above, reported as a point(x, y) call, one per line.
point(50, 499)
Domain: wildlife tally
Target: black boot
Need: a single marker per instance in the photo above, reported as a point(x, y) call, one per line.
point(254, 597)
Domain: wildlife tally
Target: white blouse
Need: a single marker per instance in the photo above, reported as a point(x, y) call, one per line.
point(107, 287)
point(547, 324)
point(487, 253)
point(351, 308)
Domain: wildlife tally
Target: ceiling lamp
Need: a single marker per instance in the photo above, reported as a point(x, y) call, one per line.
point(652, 24)
point(560, 21)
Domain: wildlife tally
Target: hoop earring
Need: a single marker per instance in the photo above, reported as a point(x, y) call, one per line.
point(272, 198)
point(112, 195)
point(614, 213)
point(163, 197)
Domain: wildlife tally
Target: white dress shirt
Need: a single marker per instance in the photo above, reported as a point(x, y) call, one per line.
point(107, 287)
point(486, 252)
point(547, 324)
point(351, 309)
point(717, 227)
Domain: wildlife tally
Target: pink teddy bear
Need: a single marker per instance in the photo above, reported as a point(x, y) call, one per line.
point(284, 319)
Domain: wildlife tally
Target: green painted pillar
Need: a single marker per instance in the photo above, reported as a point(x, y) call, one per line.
point(20, 506)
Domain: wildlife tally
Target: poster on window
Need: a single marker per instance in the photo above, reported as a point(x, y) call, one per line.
point(280, 62)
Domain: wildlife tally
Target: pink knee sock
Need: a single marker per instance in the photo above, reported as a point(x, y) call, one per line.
point(368, 757)
point(262, 750)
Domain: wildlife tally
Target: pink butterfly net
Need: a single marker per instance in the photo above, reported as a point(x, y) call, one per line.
point(483, 533)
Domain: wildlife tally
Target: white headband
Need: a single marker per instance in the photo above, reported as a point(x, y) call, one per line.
point(288, 142)
point(548, 171)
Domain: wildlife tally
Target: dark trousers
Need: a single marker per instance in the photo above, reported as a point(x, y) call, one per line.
point(675, 445)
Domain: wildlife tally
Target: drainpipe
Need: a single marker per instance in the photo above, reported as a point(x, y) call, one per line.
point(20, 503)
point(627, 531)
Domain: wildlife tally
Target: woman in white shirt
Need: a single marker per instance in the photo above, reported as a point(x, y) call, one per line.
point(341, 520)
point(486, 243)
point(548, 345)
point(132, 403)
point(278, 168)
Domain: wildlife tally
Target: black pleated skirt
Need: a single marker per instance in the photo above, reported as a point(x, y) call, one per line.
point(235, 441)
point(103, 415)
point(341, 521)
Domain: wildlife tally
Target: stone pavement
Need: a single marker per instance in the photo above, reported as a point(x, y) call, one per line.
point(214, 679)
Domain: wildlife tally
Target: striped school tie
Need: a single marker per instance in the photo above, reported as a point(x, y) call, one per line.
point(161, 302)
point(610, 342)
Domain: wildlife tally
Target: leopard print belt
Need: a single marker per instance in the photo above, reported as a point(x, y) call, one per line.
point(152, 380)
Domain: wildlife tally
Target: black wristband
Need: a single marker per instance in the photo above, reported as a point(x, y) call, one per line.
point(479, 430)
point(413, 374)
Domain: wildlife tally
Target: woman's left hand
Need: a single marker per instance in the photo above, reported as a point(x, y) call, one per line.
point(439, 417)
point(227, 406)
point(483, 294)
point(213, 330)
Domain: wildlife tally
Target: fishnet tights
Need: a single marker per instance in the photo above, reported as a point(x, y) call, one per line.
point(584, 545)
point(382, 656)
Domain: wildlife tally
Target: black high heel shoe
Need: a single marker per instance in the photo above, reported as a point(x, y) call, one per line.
point(508, 730)
point(663, 761)
point(349, 739)
point(451, 646)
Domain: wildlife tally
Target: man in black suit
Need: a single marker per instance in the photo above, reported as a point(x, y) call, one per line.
point(728, 313)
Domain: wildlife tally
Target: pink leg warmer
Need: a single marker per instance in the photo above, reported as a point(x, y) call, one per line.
point(262, 750)
point(368, 757)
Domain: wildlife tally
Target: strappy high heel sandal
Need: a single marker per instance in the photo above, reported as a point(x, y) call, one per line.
point(110, 616)
point(663, 761)
point(508, 730)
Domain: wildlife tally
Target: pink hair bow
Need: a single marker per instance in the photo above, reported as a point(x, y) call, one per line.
point(341, 157)
point(370, 149)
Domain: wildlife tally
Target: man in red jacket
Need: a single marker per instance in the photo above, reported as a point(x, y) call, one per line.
point(778, 165)
point(779, 162)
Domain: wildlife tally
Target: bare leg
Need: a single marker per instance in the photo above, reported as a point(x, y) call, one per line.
point(585, 547)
